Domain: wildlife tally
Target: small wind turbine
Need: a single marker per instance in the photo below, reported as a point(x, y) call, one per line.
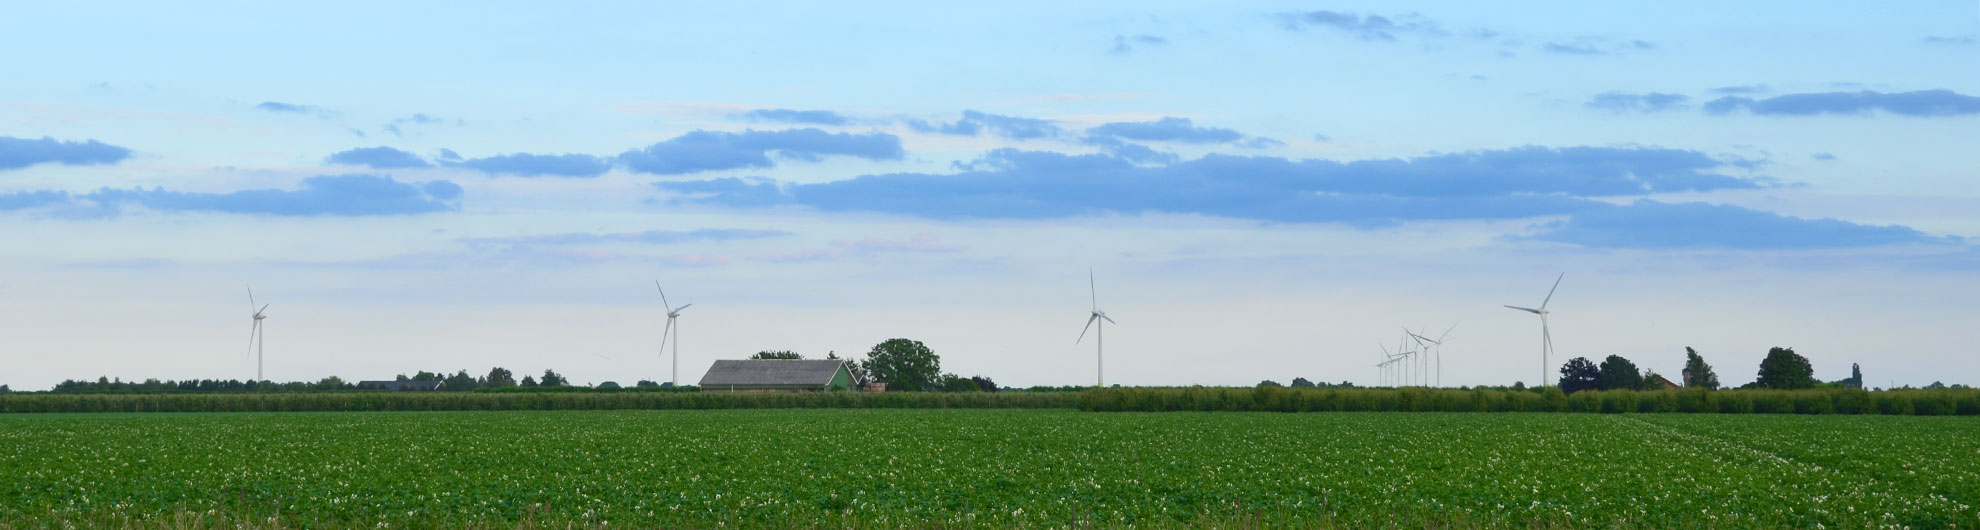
point(1388, 360)
point(1099, 334)
point(672, 330)
point(1546, 337)
point(1438, 344)
point(255, 334)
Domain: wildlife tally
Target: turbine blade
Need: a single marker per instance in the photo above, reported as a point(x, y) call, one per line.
point(250, 297)
point(678, 309)
point(1447, 333)
point(253, 329)
point(1089, 327)
point(264, 307)
point(663, 294)
point(664, 333)
point(1526, 309)
point(1550, 292)
point(1093, 289)
point(1110, 320)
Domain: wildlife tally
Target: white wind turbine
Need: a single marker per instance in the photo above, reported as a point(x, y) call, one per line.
point(1099, 335)
point(1399, 371)
point(672, 330)
point(1546, 338)
point(255, 334)
point(1382, 374)
point(1438, 344)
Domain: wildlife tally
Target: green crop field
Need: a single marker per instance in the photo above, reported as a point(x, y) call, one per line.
point(987, 468)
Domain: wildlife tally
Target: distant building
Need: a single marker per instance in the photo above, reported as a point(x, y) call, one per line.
point(407, 385)
point(1658, 382)
point(778, 375)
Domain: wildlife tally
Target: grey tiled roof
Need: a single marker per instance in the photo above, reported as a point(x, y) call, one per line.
point(771, 372)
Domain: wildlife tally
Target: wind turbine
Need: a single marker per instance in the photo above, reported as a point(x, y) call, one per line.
point(671, 330)
point(1401, 372)
point(1389, 359)
point(1437, 343)
point(1099, 334)
point(255, 334)
point(1546, 338)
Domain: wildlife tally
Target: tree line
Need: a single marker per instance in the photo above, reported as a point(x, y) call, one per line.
point(460, 381)
point(1782, 369)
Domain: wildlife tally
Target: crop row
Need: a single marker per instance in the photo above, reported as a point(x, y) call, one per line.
point(986, 468)
point(463, 401)
point(1965, 402)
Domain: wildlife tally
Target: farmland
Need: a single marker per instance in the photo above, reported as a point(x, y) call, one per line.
point(987, 468)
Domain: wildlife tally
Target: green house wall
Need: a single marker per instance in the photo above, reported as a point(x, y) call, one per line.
point(841, 380)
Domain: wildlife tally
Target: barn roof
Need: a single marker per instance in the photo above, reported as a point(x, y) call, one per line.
point(772, 372)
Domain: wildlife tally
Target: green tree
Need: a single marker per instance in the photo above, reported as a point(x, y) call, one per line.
point(957, 383)
point(499, 377)
point(529, 380)
point(550, 378)
point(330, 383)
point(1855, 376)
point(1697, 374)
point(779, 354)
point(1269, 382)
point(1785, 369)
point(985, 384)
point(1579, 374)
point(1301, 382)
point(460, 382)
point(904, 365)
point(1618, 373)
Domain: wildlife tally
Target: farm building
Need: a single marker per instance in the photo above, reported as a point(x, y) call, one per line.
point(778, 375)
point(1658, 382)
point(399, 385)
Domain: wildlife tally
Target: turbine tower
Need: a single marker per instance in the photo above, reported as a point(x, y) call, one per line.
point(255, 334)
point(672, 330)
point(1099, 334)
point(1438, 344)
point(1546, 338)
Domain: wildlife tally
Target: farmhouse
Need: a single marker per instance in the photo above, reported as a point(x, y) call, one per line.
point(778, 375)
point(1658, 382)
point(399, 385)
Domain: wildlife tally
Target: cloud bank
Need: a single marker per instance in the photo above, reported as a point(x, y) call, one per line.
point(1923, 103)
point(1627, 102)
point(322, 195)
point(710, 151)
point(380, 157)
point(1009, 183)
point(974, 123)
point(16, 153)
point(1647, 224)
point(534, 165)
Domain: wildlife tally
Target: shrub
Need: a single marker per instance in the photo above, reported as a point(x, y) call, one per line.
point(1854, 402)
point(1893, 403)
point(1815, 402)
point(1736, 403)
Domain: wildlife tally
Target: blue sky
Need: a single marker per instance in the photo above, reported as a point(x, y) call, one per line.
point(1264, 190)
